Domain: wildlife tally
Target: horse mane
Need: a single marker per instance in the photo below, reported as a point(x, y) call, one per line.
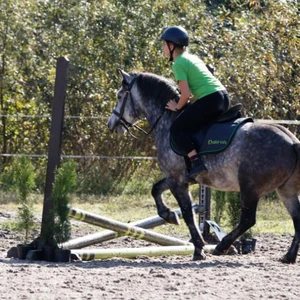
point(156, 88)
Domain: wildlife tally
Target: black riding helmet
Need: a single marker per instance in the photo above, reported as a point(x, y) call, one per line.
point(176, 35)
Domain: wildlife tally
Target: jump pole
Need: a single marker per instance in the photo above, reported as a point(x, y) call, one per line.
point(91, 254)
point(126, 229)
point(100, 237)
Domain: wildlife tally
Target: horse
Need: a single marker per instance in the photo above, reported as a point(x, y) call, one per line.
point(261, 158)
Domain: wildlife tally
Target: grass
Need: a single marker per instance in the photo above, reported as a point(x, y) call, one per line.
point(272, 216)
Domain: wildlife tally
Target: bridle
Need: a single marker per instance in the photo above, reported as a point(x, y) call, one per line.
point(123, 122)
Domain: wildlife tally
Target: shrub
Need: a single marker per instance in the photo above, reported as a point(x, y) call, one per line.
point(23, 176)
point(64, 184)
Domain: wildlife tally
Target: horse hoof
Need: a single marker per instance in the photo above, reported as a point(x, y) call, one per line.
point(200, 256)
point(286, 260)
point(230, 251)
point(173, 218)
point(218, 252)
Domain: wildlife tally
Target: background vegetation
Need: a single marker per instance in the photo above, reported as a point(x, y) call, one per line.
point(253, 45)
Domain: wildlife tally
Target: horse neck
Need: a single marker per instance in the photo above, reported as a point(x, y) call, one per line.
point(160, 121)
point(153, 94)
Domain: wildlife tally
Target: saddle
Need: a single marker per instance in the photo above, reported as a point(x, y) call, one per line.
point(217, 136)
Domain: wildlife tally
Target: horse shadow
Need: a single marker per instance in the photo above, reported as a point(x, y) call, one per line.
point(106, 264)
point(143, 262)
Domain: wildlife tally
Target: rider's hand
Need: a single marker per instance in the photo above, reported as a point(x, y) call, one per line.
point(171, 105)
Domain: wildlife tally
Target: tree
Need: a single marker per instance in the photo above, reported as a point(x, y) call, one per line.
point(253, 44)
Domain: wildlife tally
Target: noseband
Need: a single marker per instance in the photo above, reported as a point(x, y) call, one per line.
point(122, 121)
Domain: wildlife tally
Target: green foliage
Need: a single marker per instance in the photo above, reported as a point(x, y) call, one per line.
point(64, 184)
point(19, 176)
point(26, 219)
point(141, 181)
point(22, 173)
point(7, 178)
point(220, 204)
point(24, 177)
point(226, 206)
point(259, 55)
point(234, 208)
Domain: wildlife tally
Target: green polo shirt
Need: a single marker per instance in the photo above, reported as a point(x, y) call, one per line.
point(201, 81)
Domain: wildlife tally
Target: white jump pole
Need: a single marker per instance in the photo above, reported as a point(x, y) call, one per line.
point(100, 237)
point(91, 254)
point(125, 229)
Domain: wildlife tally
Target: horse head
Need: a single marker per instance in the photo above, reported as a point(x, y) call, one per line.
point(142, 95)
point(125, 113)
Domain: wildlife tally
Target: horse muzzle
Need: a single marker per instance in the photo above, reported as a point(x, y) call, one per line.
point(115, 126)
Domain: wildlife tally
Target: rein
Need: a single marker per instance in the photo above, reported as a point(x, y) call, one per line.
point(123, 122)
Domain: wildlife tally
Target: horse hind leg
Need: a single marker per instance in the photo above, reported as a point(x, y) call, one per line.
point(162, 210)
point(292, 203)
point(249, 202)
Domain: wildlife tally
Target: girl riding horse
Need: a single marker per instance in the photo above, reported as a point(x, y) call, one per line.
point(194, 78)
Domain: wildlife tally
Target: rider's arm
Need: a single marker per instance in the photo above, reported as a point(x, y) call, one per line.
point(185, 94)
point(184, 97)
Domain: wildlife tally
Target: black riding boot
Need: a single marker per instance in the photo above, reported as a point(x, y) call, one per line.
point(198, 167)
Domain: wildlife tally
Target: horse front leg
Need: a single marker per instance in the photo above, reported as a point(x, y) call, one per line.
point(247, 220)
point(162, 210)
point(182, 195)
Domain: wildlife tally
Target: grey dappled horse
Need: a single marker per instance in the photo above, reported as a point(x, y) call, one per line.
point(261, 158)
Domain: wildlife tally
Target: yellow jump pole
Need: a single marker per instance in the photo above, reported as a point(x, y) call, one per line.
point(126, 229)
point(100, 237)
point(91, 254)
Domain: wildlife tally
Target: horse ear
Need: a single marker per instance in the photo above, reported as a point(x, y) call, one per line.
point(127, 78)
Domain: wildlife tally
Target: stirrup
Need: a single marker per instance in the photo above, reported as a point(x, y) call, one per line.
point(198, 168)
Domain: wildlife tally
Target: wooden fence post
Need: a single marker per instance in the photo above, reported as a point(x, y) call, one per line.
point(54, 147)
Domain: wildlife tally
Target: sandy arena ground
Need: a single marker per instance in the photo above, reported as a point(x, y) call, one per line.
point(258, 275)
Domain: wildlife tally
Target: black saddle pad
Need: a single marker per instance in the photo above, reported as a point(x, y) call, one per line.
point(218, 136)
point(215, 137)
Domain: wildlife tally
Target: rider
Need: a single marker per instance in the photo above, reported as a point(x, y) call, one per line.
point(194, 79)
